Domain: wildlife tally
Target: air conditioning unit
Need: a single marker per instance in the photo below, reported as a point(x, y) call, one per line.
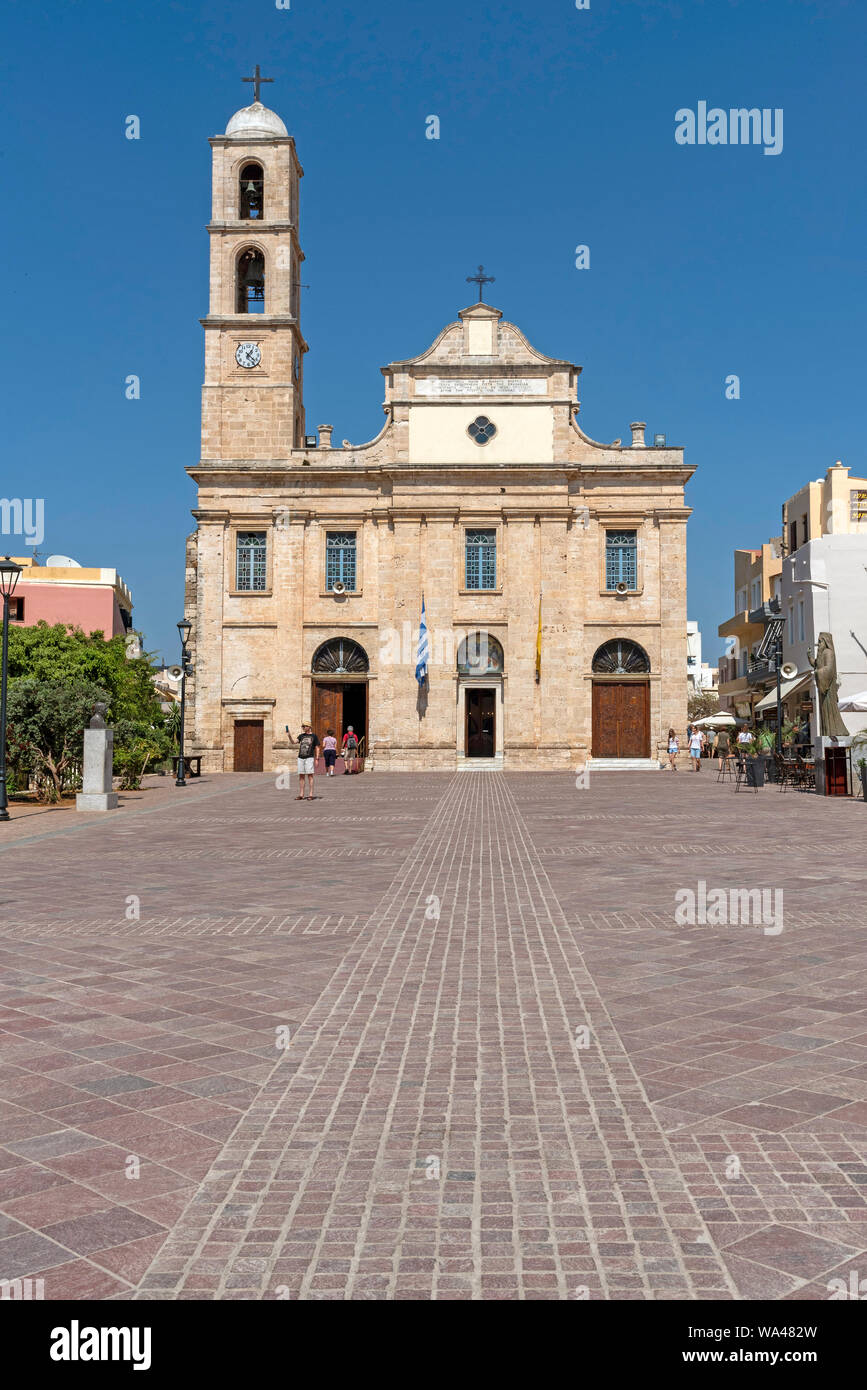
point(338, 588)
point(621, 588)
point(659, 441)
point(310, 441)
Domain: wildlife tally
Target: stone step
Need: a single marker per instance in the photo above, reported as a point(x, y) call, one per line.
point(623, 764)
point(494, 764)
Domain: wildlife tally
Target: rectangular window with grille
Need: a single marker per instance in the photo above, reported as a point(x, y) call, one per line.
point(481, 560)
point(250, 560)
point(621, 559)
point(857, 504)
point(340, 559)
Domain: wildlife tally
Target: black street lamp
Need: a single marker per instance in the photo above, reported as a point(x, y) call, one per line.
point(9, 572)
point(184, 628)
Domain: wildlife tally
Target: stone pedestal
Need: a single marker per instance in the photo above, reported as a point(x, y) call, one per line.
point(96, 793)
point(821, 746)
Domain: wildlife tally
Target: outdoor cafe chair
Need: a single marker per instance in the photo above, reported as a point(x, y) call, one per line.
point(743, 780)
point(787, 771)
point(806, 774)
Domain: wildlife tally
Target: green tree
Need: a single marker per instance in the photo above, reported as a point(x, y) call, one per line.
point(701, 703)
point(136, 745)
point(56, 674)
point(45, 729)
point(66, 655)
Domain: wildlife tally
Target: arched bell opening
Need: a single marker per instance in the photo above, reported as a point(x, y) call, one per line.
point(251, 193)
point(250, 282)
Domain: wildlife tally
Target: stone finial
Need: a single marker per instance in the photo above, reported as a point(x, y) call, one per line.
point(98, 719)
point(325, 436)
point(638, 427)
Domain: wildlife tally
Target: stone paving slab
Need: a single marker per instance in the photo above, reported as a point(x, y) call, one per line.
point(436, 1126)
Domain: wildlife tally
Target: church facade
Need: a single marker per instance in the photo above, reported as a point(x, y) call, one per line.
point(552, 567)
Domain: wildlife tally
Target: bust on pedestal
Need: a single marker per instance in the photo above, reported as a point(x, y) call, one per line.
point(96, 793)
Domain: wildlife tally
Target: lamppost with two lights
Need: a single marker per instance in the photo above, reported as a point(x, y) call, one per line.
point(9, 572)
point(184, 628)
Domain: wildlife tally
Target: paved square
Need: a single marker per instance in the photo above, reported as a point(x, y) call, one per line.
point(509, 1074)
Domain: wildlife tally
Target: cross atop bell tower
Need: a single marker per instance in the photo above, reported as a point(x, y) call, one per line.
point(256, 79)
point(254, 349)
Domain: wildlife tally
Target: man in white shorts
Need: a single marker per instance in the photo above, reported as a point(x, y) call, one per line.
point(308, 745)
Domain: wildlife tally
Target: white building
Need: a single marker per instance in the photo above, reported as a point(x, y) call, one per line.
point(824, 589)
point(699, 674)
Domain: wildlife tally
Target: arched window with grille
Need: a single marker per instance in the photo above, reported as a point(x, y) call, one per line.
point(620, 657)
point(621, 559)
point(340, 656)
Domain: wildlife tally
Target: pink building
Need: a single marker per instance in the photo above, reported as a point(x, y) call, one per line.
point(62, 591)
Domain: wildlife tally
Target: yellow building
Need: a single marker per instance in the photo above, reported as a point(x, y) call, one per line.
point(481, 495)
point(835, 505)
point(757, 582)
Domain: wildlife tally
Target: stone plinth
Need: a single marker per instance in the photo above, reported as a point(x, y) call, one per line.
point(96, 793)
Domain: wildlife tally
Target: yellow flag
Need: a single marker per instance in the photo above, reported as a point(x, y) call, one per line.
point(539, 643)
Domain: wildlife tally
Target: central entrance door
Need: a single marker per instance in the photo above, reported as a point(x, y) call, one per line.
point(480, 723)
point(336, 705)
point(621, 719)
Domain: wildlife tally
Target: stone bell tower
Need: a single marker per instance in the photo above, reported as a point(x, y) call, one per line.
point(252, 402)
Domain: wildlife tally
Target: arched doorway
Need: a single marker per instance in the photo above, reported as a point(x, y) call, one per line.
point(480, 696)
point(340, 669)
point(621, 700)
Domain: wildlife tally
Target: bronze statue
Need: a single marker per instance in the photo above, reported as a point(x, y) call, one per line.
point(98, 719)
point(824, 664)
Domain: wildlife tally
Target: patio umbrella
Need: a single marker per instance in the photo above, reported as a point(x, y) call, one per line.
point(853, 702)
point(723, 720)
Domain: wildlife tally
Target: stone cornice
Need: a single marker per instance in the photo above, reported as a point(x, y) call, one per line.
point(245, 224)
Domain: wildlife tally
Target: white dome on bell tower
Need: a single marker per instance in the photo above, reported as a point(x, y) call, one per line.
point(254, 122)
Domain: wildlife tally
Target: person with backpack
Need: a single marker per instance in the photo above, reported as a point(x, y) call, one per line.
point(350, 750)
point(308, 744)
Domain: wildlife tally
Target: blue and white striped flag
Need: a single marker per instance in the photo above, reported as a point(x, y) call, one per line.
point(423, 648)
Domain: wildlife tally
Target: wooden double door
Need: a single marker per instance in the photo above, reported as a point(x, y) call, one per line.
point(621, 719)
point(336, 705)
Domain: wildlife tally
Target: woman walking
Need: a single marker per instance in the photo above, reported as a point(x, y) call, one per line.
point(673, 747)
point(329, 752)
point(696, 739)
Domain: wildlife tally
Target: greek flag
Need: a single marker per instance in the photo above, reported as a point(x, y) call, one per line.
point(423, 655)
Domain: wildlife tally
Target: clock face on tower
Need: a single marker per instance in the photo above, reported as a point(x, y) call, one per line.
point(248, 355)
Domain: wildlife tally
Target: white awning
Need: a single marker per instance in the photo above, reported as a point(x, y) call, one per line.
point(853, 702)
point(787, 688)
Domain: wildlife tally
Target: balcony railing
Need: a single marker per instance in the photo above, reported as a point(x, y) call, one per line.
point(761, 672)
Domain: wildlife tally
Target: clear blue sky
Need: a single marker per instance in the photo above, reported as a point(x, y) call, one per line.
point(557, 129)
